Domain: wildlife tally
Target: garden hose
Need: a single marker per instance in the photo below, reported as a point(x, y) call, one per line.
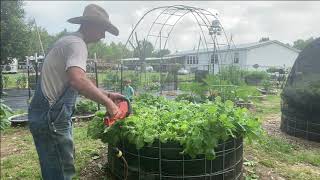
point(120, 155)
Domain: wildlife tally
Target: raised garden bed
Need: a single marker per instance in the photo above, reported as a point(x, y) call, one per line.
point(262, 97)
point(300, 112)
point(244, 104)
point(165, 161)
point(166, 139)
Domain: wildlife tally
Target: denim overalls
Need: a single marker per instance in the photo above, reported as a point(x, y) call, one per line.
point(51, 128)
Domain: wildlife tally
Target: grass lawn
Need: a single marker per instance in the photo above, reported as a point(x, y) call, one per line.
point(279, 156)
point(19, 159)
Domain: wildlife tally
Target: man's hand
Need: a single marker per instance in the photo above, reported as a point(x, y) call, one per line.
point(112, 109)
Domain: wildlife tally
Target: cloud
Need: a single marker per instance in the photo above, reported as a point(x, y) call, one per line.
point(246, 21)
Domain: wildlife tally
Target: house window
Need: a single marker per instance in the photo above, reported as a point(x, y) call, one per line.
point(214, 59)
point(192, 60)
point(236, 58)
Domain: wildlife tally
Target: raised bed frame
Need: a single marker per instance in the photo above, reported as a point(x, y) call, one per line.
point(165, 161)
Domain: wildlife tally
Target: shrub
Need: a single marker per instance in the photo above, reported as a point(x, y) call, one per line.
point(5, 112)
point(233, 74)
point(21, 81)
point(5, 81)
point(256, 77)
point(85, 106)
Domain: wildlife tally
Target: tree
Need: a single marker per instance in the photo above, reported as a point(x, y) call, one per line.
point(161, 53)
point(14, 32)
point(264, 39)
point(110, 52)
point(34, 45)
point(301, 44)
point(99, 48)
point(144, 49)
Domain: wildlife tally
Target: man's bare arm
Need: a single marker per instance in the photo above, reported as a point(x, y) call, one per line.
point(79, 81)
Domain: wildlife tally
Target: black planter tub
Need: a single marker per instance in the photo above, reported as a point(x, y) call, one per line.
point(164, 161)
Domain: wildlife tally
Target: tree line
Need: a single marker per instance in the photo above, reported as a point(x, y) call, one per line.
point(19, 38)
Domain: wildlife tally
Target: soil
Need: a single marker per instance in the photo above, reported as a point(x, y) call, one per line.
point(95, 169)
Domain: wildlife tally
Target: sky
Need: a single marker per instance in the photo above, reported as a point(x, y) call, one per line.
point(244, 21)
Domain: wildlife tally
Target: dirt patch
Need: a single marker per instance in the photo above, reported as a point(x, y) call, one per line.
point(271, 125)
point(95, 169)
point(307, 167)
point(13, 143)
point(259, 171)
point(266, 173)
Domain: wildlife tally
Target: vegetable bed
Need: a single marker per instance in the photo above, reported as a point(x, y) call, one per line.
point(191, 131)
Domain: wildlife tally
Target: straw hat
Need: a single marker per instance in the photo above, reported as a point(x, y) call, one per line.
point(97, 15)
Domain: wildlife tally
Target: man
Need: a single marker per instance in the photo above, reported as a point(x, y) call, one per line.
point(62, 77)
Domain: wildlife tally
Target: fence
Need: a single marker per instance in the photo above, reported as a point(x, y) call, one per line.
point(156, 78)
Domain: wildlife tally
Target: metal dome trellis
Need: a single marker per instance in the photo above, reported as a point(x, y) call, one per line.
point(213, 35)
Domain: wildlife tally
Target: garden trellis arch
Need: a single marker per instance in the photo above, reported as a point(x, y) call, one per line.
point(160, 30)
point(175, 14)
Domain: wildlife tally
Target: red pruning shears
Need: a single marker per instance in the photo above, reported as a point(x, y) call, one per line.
point(124, 111)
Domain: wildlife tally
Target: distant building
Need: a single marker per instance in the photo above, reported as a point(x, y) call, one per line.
point(258, 55)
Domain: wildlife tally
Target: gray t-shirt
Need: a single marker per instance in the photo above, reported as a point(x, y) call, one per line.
point(68, 51)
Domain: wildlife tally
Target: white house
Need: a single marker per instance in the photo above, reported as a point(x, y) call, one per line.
point(260, 55)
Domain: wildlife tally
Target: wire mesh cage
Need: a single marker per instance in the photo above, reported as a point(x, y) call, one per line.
point(165, 161)
point(301, 95)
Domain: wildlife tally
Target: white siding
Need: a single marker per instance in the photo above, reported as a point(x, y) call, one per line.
point(225, 58)
point(271, 55)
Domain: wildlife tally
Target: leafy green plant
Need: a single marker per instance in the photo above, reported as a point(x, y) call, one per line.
point(218, 87)
point(153, 86)
point(255, 77)
point(21, 81)
point(5, 81)
point(245, 92)
point(112, 80)
point(197, 127)
point(195, 92)
point(86, 106)
point(154, 78)
point(233, 74)
point(5, 112)
point(266, 84)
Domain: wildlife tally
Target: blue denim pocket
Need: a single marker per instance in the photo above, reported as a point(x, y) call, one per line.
point(60, 120)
